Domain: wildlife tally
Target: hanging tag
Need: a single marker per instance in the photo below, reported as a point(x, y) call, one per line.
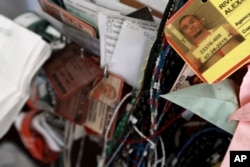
point(75, 107)
point(215, 43)
point(102, 102)
point(68, 72)
point(108, 90)
point(98, 118)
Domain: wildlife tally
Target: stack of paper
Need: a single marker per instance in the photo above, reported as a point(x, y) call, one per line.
point(22, 53)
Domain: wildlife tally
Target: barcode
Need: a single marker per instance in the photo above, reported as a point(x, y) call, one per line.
point(59, 84)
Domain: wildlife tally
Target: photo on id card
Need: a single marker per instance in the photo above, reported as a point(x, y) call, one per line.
point(108, 90)
point(210, 37)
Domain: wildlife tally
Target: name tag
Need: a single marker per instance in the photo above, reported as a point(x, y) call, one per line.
point(224, 50)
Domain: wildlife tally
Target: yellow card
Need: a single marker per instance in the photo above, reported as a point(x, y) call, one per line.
point(211, 36)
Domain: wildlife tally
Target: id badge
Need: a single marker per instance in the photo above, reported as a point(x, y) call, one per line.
point(68, 72)
point(211, 36)
point(103, 99)
point(98, 117)
point(108, 90)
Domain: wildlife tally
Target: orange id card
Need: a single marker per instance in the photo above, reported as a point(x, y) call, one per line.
point(68, 72)
point(211, 36)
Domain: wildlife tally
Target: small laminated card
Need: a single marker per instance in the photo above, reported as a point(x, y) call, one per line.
point(211, 36)
point(69, 72)
point(103, 99)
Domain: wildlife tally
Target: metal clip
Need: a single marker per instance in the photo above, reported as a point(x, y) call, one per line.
point(105, 72)
point(82, 53)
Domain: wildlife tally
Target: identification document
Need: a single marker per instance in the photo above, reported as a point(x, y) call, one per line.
point(103, 99)
point(214, 44)
point(69, 72)
point(186, 78)
point(87, 10)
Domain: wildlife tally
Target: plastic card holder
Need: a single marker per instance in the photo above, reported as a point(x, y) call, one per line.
point(215, 43)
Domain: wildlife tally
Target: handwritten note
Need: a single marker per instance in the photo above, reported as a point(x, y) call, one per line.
point(115, 5)
point(111, 27)
point(87, 10)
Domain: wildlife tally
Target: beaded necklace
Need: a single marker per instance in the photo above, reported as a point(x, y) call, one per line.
point(151, 84)
point(155, 85)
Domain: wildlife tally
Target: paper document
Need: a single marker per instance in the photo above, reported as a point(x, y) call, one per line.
point(135, 36)
point(212, 102)
point(22, 53)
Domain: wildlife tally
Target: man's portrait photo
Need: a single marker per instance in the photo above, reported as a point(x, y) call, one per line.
point(203, 36)
point(108, 90)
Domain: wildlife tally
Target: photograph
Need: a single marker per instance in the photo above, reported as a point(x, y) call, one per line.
point(203, 39)
point(108, 90)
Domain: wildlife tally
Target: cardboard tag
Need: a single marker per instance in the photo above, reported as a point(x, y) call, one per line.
point(75, 107)
point(215, 43)
point(98, 117)
point(68, 72)
point(108, 90)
